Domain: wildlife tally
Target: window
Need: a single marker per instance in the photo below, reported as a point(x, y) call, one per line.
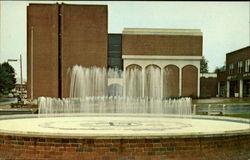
point(231, 68)
point(247, 65)
point(240, 66)
point(115, 51)
point(115, 62)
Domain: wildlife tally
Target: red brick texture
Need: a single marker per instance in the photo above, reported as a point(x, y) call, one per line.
point(200, 148)
point(208, 87)
point(162, 45)
point(236, 56)
point(189, 81)
point(43, 20)
point(84, 38)
point(171, 81)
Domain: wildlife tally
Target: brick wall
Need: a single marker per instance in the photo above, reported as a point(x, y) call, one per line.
point(42, 50)
point(208, 87)
point(161, 45)
point(222, 76)
point(200, 148)
point(84, 38)
point(189, 80)
point(236, 56)
point(84, 34)
point(171, 81)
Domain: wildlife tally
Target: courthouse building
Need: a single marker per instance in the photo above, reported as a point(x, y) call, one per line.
point(60, 36)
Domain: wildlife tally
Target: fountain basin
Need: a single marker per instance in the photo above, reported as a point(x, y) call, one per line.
point(123, 136)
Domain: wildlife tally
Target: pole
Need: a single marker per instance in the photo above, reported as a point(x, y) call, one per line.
point(21, 85)
point(31, 63)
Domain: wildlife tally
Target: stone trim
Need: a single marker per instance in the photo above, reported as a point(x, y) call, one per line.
point(154, 57)
point(161, 31)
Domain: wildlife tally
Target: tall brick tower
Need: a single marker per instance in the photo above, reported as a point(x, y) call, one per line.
point(58, 37)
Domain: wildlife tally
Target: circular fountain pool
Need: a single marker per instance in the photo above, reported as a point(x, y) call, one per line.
point(120, 125)
point(130, 136)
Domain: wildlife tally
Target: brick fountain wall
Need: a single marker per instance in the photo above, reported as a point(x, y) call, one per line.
point(194, 148)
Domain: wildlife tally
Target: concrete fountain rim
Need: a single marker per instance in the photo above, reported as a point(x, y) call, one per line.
point(114, 136)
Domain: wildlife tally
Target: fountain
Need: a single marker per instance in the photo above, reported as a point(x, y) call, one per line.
point(89, 94)
point(134, 122)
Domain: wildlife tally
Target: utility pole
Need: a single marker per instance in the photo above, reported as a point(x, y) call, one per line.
point(21, 72)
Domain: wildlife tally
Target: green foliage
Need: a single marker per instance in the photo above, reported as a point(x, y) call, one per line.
point(7, 78)
point(220, 69)
point(203, 65)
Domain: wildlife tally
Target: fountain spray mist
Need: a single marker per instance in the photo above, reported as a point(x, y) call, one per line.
point(90, 93)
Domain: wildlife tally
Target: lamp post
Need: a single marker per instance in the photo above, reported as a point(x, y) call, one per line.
point(21, 85)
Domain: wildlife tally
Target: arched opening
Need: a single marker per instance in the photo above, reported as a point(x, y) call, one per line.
point(152, 81)
point(189, 81)
point(133, 66)
point(133, 80)
point(171, 81)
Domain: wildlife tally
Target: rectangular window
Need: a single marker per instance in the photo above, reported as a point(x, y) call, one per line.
point(247, 65)
point(240, 66)
point(115, 54)
point(231, 68)
point(114, 47)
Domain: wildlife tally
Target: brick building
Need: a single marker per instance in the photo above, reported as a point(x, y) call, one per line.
point(177, 50)
point(42, 50)
point(60, 36)
point(235, 81)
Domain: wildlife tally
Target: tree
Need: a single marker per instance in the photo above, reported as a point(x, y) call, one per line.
point(7, 78)
point(220, 69)
point(203, 65)
point(217, 69)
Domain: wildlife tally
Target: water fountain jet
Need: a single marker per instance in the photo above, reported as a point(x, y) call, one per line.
point(89, 93)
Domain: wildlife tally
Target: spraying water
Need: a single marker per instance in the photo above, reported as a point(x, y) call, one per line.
point(90, 93)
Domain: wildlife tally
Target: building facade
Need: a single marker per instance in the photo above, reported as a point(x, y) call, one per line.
point(60, 36)
point(236, 79)
point(178, 51)
point(42, 50)
point(84, 39)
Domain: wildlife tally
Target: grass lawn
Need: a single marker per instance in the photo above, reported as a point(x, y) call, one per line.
point(4, 104)
point(240, 115)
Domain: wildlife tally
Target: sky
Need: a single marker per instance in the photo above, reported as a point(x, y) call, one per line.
point(225, 25)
